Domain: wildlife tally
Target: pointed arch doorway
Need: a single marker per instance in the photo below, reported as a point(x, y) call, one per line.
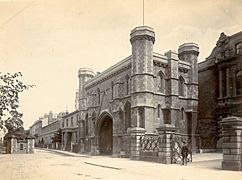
point(105, 135)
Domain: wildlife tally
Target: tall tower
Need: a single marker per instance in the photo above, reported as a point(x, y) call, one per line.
point(84, 74)
point(189, 52)
point(142, 39)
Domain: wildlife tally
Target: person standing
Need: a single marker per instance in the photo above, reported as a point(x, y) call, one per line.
point(184, 153)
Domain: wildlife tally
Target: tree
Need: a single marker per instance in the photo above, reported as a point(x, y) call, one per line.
point(57, 137)
point(10, 87)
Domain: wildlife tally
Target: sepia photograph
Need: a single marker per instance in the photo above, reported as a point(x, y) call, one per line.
point(120, 89)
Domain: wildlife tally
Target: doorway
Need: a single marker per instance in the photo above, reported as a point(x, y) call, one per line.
point(106, 136)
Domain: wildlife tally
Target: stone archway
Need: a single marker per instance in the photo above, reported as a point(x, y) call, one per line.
point(105, 135)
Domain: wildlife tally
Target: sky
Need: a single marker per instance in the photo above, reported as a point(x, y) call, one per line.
point(49, 40)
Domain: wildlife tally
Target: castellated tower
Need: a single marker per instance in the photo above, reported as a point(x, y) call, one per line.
point(142, 80)
point(84, 74)
point(189, 52)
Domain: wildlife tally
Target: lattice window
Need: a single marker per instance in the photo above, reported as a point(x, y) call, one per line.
point(149, 143)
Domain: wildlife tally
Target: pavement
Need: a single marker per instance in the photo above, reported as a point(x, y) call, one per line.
point(62, 165)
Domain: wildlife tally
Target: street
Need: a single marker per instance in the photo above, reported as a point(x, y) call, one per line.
point(57, 165)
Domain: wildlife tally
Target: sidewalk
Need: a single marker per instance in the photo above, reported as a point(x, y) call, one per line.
point(204, 160)
point(204, 166)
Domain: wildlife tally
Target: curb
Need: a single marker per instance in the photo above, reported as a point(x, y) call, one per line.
point(65, 153)
point(110, 167)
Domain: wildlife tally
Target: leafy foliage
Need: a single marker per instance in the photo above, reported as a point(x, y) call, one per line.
point(57, 137)
point(10, 87)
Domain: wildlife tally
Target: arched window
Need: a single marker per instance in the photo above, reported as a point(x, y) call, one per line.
point(158, 110)
point(166, 115)
point(182, 113)
point(127, 84)
point(239, 83)
point(127, 115)
point(98, 96)
point(121, 114)
point(161, 82)
point(112, 90)
point(181, 85)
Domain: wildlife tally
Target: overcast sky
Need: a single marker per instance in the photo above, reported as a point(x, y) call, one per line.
point(49, 40)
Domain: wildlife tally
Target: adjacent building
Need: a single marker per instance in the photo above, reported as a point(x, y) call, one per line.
point(69, 130)
point(45, 128)
point(220, 88)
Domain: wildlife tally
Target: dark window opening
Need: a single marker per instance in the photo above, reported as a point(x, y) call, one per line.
point(127, 114)
point(141, 117)
point(158, 110)
point(161, 82)
point(127, 84)
point(86, 125)
point(182, 113)
point(98, 96)
point(224, 83)
point(21, 146)
point(166, 115)
point(181, 86)
point(239, 83)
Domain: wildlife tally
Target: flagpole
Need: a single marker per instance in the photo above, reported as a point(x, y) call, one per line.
point(143, 12)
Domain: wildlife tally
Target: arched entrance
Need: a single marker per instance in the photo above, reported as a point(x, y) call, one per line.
point(106, 135)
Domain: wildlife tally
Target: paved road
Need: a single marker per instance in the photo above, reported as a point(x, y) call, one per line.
point(49, 165)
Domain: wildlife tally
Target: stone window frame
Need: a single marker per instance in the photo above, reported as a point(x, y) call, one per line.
point(224, 83)
point(127, 79)
point(127, 115)
point(141, 119)
point(158, 110)
point(98, 96)
point(112, 89)
point(181, 86)
point(161, 82)
point(77, 119)
point(182, 113)
point(21, 146)
point(67, 122)
point(238, 48)
point(238, 76)
point(72, 121)
point(167, 115)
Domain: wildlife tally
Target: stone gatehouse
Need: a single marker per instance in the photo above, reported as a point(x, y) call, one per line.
point(145, 90)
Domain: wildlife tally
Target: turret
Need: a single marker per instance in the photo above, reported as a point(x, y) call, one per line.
point(84, 74)
point(142, 39)
point(189, 52)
